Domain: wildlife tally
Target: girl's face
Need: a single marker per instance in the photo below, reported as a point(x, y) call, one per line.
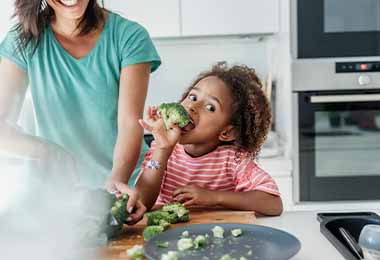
point(69, 9)
point(209, 105)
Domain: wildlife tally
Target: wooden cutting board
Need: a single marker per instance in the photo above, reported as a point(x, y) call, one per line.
point(133, 234)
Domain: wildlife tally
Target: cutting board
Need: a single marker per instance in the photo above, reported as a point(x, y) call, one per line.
point(133, 234)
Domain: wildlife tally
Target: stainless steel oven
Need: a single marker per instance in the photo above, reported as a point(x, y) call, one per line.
point(337, 28)
point(336, 99)
point(337, 130)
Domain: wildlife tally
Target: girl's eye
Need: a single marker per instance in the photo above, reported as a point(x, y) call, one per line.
point(210, 108)
point(192, 97)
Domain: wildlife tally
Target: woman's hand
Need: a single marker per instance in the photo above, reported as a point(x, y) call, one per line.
point(194, 195)
point(165, 138)
point(134, 206)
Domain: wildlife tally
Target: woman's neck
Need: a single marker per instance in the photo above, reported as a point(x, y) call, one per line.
point(65, 27)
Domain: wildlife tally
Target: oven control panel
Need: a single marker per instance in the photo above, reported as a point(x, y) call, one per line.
point(349, 67)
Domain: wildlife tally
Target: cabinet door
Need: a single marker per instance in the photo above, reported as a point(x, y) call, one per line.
point(6, 13)
point(229, 17)
point(160, 18)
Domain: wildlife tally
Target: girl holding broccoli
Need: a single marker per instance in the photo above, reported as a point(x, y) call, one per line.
point(211, 162)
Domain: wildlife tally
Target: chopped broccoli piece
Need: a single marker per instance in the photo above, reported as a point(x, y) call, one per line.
point(136, 252)
point(174, 113)
point(151, 231)
point(199, 241)
point(119, 209)
point(184, 244)
point(171, 213)
point(171, 255)
point(163, 223)
point(162, 244)
point(236, 232)
point(218, 232)
point(185, 233)
point(227, 257)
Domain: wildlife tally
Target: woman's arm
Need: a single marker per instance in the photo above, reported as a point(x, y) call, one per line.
point(132, 94)
point(259, 201)
point(14, 142)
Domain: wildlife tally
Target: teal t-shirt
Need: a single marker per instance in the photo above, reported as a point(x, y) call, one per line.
point(76, 100)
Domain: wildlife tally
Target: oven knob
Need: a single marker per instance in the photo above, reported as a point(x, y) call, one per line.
point(364, 80)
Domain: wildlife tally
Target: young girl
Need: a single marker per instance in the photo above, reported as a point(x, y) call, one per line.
point(212, 164)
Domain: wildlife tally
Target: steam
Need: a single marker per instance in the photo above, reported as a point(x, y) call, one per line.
point(41, 214)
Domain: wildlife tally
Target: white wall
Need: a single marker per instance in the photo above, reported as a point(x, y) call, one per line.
point(184, 59)
point(6, 11)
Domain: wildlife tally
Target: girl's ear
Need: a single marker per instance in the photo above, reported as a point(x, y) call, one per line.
point(228, 134)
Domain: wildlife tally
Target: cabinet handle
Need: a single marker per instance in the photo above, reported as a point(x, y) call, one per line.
point(345, 98)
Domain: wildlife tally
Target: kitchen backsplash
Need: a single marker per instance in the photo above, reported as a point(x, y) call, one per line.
point(184, 59)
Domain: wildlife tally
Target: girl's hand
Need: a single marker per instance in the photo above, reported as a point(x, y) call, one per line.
point(194, 195)
point(134, 206)
point(165, 138)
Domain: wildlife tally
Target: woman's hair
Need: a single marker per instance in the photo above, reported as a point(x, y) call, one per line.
point(251, 113)
point(33, 19)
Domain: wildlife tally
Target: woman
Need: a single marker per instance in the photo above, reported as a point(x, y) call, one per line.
point(88, 70)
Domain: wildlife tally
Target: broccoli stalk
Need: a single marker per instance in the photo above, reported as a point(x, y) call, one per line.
point(174, 113)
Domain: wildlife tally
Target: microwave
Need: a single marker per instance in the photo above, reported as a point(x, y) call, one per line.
point(335, 28)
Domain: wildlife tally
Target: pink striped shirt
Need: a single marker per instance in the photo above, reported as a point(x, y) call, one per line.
point(222, 169)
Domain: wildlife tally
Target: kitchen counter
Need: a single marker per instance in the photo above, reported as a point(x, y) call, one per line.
point(302, 224)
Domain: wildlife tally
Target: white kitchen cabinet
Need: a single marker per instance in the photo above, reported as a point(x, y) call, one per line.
point(229, 17)
point(160, 18)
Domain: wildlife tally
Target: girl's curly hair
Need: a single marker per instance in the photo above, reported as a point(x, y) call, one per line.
point(251, 112)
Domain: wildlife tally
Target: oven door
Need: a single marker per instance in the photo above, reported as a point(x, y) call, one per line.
point(339, 145)
point(338, 28)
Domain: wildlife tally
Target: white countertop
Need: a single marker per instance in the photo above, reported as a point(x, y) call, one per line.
point(304, 225)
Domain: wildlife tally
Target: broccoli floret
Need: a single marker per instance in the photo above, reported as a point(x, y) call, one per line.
point(119, 209)
point(136, 252)
point(171, 213)
point(174, 113)
point(171, 255)
point(218, 232)
point(184, 244)
point(151, 231)
point(155, 217)
point(199, 241)
point(236, 232)
point(163, 223)
point(178, 210)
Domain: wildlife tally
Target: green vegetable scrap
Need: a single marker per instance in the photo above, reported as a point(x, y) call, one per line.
point(171, 213)
point(236, 232)
point(174, 113)
point(163, 244)
point(171, 255)
point(184, 244)
point(136, 252)
point(151, 231)
point(199, 241)
point(227, 257)
point(119, 209)
point(218, 232)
